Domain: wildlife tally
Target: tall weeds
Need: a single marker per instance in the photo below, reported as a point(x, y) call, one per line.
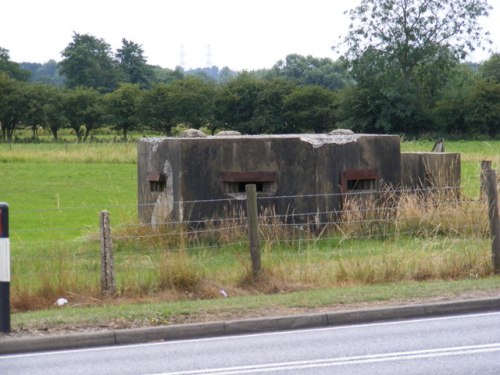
point(383, 238)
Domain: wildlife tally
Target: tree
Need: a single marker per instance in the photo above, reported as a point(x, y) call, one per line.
point(236, 102)
point(226, 74)
point(45, 107)
point(34, 117)
point(206, 74)
point(483, 108)
point(409, 33)
point(54, 109)
point(402, 51)
point(451, 110)
point(155, 111)
point(310, 70)
point(44, 73)
point(184, 101)
point(309, 109)
point(268, 116)
point(163, 75)
point(490, 69)
point(382, 101)
point(122, 107)
point(84, 111)
point(13, 103)
point(12, 69)
point(359, 109)
point(191, 102)
point(133, 64)
point(88, 62)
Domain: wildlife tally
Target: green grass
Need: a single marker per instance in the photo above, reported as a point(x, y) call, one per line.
point(470, 149)
point(66, 152)
point(472, 153)
point(117, 314)
point(199, 272)
point(61, 201)
point(55, 193)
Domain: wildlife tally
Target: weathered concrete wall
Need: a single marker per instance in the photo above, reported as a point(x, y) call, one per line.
point(210, 169)
point(430, 170)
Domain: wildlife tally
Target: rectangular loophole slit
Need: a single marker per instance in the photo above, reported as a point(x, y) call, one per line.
point(358, 180)
point(157, 181)
point(235, 182)
point(364, 184)
point(240, 187)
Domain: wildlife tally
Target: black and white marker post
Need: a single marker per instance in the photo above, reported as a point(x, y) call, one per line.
point(4, 269)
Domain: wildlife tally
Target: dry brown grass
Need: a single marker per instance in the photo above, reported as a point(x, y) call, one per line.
point(398, 238)
point(177, 271)
point(421, 215)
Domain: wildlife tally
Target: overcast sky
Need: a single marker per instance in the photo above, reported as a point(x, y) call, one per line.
point(240, 34)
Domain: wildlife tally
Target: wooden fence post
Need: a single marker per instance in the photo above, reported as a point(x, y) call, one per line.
point(485, 166)
point(253, 227)
point(107, 268)
point(492, 193)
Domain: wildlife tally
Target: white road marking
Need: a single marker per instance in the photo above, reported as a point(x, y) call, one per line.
point(232, 337)
point(344, 361)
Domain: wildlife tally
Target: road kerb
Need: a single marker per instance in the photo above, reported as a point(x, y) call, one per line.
point(11, 345)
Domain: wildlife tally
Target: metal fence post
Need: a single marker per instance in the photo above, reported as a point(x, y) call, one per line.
point(4, 269)
point(253, 227)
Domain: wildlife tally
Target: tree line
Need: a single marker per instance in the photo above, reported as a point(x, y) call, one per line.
point(401, 70)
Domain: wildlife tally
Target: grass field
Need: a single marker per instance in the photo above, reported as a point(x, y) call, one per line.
point(59, 201)
point(472, 153)
point(56, 191)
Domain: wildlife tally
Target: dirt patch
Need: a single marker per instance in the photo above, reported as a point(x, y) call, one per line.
point(239, 315)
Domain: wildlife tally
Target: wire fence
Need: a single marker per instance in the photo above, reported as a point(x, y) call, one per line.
point(377, 235)
point(389, 207)
point(399, 207)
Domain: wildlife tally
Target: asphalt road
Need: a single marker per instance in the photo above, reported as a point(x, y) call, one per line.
point(463, 344)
